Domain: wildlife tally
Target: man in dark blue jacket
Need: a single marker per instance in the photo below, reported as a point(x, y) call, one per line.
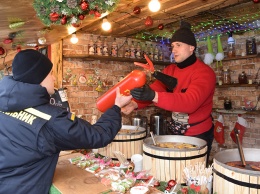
point(33, 132)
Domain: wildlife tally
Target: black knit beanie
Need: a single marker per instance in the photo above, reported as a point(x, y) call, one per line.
point(185, 35)
point(30, 66)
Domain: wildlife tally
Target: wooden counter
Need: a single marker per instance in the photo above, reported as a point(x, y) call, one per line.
point(70, 179)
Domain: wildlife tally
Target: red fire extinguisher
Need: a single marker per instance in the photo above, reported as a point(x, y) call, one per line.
point(133, 80)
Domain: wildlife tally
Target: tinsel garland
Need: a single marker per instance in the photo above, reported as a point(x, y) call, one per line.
point(61, 12)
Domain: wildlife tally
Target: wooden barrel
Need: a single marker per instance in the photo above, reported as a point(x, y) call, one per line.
point(129, 141)
point(232, 180)
point(168, 163)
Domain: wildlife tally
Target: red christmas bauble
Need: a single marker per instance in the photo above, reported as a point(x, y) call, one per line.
point(63, 20)
point(54, 17)
point(137, 10)
point(2, 51)
point(148, 21)
point(160, 26)
point(81, 17)
point(8, 40)
point(36, 47)
point(76, 25)
point(97, 14)
point(84, 6)
point(91, 12)
point(256, 1)
point(18, 48)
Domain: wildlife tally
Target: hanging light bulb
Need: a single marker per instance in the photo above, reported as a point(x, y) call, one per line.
point(154, 5)
point(74, 39)
point(106, 25)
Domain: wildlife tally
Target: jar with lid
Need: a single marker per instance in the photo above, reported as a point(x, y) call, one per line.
point(250, 46)
point(242, 78)
point(226, 78)
point(227, 104)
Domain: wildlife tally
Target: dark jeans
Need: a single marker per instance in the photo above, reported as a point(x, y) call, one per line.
point(208, 136)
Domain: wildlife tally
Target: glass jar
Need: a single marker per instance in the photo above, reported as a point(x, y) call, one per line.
point(226, 78)
point(227, 104)
point(242, 78)
point(250, 46)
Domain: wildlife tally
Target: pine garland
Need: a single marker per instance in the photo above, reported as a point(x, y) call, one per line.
point(61, 12)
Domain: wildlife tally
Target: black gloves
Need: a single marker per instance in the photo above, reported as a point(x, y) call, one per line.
point(169, 81)
point(143, 93)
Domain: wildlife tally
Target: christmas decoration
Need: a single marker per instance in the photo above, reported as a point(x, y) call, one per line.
point(76, 25)
point(63, 20)
point(8, 40)
point(60, 12)
point(220, 55)
point(2, 52)
point(81, 16)
point(240, 125)
point(84, 5)
point(42, 40)
point(160, 26)
point(209, 57)
point(137, 10)
point(256, 1)
point(18, 49)
point(219, 130)
point(148, 21)
point(15, 23)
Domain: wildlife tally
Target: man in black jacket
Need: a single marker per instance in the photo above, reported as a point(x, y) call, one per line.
point(33, 132)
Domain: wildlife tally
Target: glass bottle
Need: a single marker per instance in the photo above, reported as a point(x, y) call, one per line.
point(145, 50)
point(105, 47)
point(150, 52)
point(155, 55)
point(126, 51)
point(160, 54)
point(231, 50)
point(132, 50)
point(91, 46)
point(99, 48)
point(251, 46)
point(114, 48)
point(242, 78)
point(138, 51)
point(226, 76)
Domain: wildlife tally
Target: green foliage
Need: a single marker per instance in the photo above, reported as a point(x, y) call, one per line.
point(70, 9)
point(162, 186)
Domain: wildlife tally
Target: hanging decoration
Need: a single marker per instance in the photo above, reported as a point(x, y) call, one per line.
point(148, 21)
point(58, 12)
point(209, 56)
point(15, 23)
point(220, 54)
point(3, 52)
point(160, 26)
point(42, 40)
point(137, 10)
point(8, 40)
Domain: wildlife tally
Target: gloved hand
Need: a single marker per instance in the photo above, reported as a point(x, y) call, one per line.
point(169, 81)
point(143, 93)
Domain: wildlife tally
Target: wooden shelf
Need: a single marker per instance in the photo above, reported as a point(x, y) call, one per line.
point(109, 58)
point(236, 111)
point(236, 85)
point(241, 57)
